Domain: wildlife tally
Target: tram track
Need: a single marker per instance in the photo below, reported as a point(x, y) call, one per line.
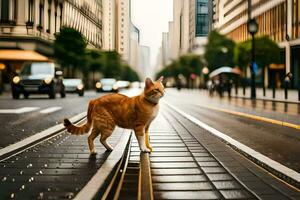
point(182, 166)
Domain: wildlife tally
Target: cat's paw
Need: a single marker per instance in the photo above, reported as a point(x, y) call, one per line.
point(93, 152)
point(150, 148)
point(109, 149)
point(146, 150)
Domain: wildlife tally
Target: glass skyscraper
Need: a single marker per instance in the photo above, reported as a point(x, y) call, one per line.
point(202, 18)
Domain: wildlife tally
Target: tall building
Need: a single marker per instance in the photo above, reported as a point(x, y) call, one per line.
point(123, 28)
point(278, 19)
point(202, 25)
point(144, 62)
point(133, 60)
point(28, 28)
point(188, 31)
point(109, 24)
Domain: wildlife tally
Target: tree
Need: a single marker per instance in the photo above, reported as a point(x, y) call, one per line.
point(69, 49)
point(218, 51)
point(266, 52)
point(112, 64)
point(129, 74)
point(95, 60)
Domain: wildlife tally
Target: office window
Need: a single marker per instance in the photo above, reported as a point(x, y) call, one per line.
point(5, 11)
point(30, 10)
point(202, 18)
point(41, 16)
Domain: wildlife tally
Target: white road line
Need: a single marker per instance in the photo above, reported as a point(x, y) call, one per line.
point(251, 152)
point(31, 139)
point(18, 110)
point(50, 110)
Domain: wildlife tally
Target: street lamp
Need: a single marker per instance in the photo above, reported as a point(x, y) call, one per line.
point(252, 29)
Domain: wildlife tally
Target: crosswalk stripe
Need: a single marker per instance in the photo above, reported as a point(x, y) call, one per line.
point(50, 110)
point(18, 110)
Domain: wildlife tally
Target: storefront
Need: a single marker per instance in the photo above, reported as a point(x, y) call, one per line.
point(11, 61)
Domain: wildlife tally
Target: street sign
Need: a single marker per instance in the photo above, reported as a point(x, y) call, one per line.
point(254, 67)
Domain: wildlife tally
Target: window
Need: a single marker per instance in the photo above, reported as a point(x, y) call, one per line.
point(4, 11)
point(30, 11)
point(49, 16)
point(41, 17)
point(8, 11)
point(202, 18)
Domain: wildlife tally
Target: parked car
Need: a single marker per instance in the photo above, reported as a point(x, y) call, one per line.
point(123, 84)
point(74, 85)
point(38, 78)
point(107, 85)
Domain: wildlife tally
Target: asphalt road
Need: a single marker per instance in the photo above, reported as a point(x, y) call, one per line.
point(24, 117)
point(277, 142)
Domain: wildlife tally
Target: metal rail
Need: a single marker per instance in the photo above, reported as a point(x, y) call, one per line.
point(145, 180)
point(131, 178)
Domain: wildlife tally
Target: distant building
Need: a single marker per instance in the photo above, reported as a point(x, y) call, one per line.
point(109, 24)
point(144, 62)
point(278, 19)
point(188, 31)
point(134, 40)
point(123, 28)
point(31, 25)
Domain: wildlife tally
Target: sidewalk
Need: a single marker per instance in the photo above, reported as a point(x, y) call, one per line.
point(279, 95)
point(189, 162)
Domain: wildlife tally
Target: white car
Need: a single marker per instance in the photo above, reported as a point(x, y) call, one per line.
point(107, 85)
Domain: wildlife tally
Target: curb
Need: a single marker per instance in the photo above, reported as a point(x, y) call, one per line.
point(282, 172)
point(22, 145)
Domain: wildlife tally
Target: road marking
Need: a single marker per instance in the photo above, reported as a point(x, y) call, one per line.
point(255, 117)
point(18, 110)
point(271, 164)
point(38, 136)
point(50, 110)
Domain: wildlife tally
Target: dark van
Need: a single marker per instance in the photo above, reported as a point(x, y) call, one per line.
point(38, 78)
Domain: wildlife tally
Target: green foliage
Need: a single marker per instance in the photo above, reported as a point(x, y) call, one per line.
point(112, 63)
point(69, 48)
point(70, 51)
point(185, 65)
point(219, 51)
point(129, 74)
point(266, 52)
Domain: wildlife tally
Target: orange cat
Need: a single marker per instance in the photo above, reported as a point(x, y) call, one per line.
point(110, 110)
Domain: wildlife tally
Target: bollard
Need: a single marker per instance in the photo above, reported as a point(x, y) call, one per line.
point(273, 91)
point(244, 89)
point(264, 91)
point(285, 89)
point(298, 90)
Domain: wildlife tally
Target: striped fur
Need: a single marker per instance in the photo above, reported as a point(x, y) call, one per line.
point(109, 111)
point(83, 129)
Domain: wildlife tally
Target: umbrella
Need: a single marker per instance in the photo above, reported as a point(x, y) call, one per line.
point(225, 69)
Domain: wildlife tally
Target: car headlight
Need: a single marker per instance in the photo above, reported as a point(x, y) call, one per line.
point(98, 85)
point(48, 80)
point(80, 87)
point(115, 87)
point(16, 80)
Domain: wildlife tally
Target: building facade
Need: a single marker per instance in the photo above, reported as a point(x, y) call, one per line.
point(123, 28)
point(279, 19)
point(28, 27)
point(187, 32)
point(109, 24)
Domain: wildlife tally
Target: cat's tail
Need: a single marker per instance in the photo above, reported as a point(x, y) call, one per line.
point(83, 129)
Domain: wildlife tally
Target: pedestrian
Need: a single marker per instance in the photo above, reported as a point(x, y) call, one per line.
point(178, 83)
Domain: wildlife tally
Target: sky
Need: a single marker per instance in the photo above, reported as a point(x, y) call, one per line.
point(151, 17)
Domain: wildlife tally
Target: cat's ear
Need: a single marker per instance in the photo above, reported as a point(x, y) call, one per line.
point(148, 83)
point(161, 79)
